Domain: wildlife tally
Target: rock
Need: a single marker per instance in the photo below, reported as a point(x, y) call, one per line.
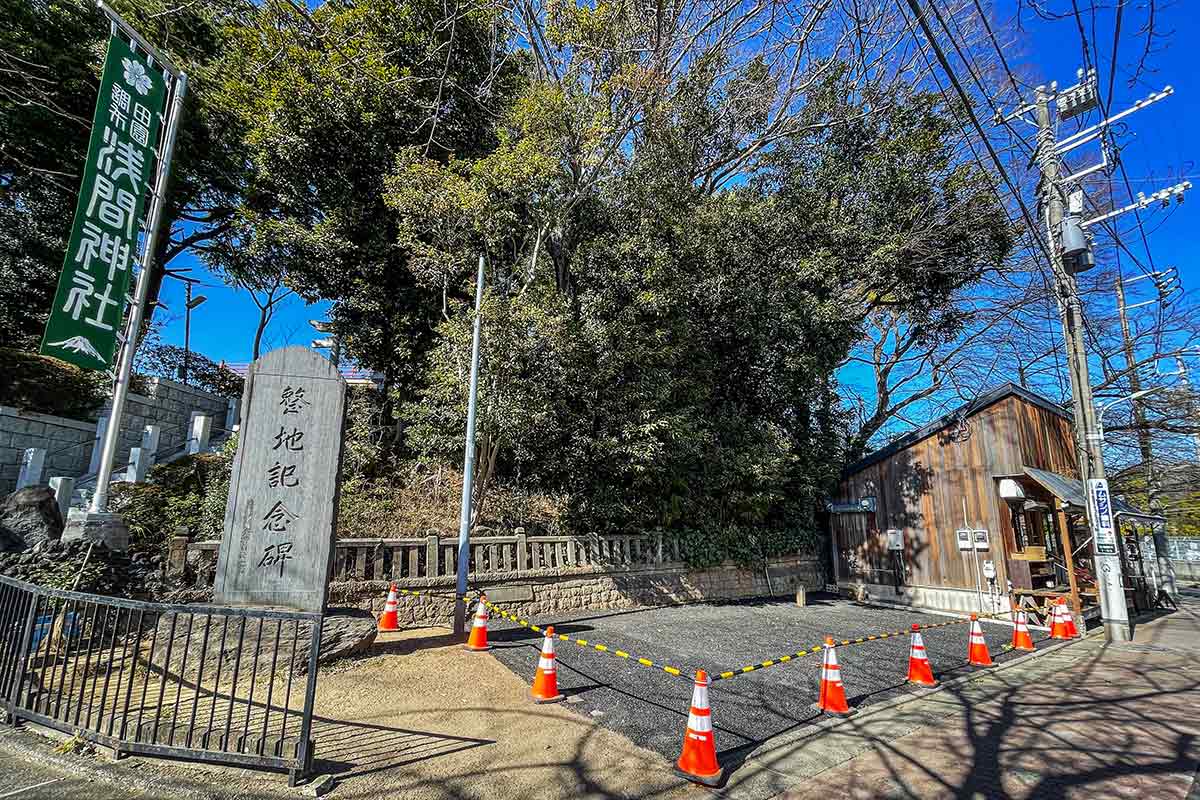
point(29, 516)
point(345, 632)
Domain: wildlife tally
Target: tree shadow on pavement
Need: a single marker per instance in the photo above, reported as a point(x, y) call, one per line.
point(1010, 736)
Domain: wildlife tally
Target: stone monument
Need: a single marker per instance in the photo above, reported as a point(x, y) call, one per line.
point(277, 545)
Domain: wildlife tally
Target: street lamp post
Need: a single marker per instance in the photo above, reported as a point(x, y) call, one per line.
point(1106, 406)
point(189, 304)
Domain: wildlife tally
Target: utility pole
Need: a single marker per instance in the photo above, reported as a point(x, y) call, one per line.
point(1191, 407)
point(1145, 447)
point(1113, 610)
point(464, 521)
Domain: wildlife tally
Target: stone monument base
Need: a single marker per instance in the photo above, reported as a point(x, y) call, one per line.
point(105, 528)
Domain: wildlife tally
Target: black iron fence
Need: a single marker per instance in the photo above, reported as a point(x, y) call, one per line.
point(211, 683)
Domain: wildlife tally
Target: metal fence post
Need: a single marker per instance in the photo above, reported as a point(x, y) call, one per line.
point(23, 659)
point(310, 692)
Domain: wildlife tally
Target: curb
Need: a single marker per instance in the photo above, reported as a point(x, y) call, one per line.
point(96, 768)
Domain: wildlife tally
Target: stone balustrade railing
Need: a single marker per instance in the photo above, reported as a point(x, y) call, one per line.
point(435, 559)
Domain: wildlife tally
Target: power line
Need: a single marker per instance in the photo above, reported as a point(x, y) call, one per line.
point(970, 109)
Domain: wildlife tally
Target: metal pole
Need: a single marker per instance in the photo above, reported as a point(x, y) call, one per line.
point(129, 346)
point(1145, 446)
point(464, 522)
point(1113, 610)
point(187, 331)
point(975, 550)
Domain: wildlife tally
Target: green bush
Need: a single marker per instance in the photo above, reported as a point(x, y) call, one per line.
point(40, 383)
point(191, 491)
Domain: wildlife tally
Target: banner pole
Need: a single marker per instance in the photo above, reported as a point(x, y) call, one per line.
point(99, 504)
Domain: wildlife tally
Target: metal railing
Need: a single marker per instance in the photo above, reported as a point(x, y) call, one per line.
point(435, 557)
point(211, 683)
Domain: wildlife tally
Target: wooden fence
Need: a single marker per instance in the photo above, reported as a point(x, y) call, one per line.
point(435, 557)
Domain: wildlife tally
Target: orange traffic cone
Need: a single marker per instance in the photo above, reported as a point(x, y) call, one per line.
point(1068, 618)
point(919, 670)
point(389, 620)
point(477, 641)
point(1021, 638)
point(977, 649)
point(698, 761)
point(832, 699)
point(545, 680)
point(1061, 624)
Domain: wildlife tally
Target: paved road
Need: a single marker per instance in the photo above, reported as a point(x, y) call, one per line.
point(650, 707)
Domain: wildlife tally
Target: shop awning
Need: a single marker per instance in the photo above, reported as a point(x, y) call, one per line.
point(1070, 491)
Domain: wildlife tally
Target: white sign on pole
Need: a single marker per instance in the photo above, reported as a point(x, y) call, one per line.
point(1104, 529)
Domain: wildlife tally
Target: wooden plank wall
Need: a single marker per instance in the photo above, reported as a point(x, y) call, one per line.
point(921, 490)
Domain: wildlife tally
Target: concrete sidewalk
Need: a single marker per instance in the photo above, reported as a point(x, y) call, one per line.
point(1087, 720)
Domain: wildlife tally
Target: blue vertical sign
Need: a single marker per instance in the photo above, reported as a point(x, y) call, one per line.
point(1105, 532)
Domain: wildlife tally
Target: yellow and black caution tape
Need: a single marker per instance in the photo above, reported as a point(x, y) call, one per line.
point(733, 673)
point(603, 648)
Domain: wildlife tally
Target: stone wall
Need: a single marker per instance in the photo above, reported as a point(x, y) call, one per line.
point(67, 442)
point(171, 406)
point(542, 597)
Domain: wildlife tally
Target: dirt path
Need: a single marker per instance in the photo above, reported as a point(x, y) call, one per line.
point(421, 718)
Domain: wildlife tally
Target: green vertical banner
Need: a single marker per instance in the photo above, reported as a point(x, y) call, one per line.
point(90, 302)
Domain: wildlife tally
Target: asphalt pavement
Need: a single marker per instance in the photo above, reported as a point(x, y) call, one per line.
point(650, 707)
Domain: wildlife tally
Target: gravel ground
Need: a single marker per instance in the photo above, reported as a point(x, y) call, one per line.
point(650, 706)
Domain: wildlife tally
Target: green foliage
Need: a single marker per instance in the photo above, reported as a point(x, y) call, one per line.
point(191, 491)
point(166, 361)
point(49, 386)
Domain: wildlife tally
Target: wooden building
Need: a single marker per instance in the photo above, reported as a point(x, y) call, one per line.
point(982, 509)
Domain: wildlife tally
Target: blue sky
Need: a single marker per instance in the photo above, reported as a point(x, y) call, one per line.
point(1159, 150)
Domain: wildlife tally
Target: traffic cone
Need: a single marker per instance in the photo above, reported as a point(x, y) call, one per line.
point(919, 670)
point(1021, 638)
point(477, 641)
point(1068, 618)
point(832, 699)
point(389, 621)
point(1061, 624)
point(545, 680)
point(977, 649)
point(698, 761)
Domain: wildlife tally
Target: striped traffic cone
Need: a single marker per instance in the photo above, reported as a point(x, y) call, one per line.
point(919, 670)
point(832, 698)
point(1061, 624)
point(1068, 618)
point(1021, 638)
point(477, 641)
point(977, 649)
point(698, 761)
point(545, 680)
point(390, 621)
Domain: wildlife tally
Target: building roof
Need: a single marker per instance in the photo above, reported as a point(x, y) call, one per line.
point(1071, 492)
point(988, 398)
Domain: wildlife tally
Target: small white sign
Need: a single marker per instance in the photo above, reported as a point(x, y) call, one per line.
point(964, 539)
point(895, 539)
point(980, 537)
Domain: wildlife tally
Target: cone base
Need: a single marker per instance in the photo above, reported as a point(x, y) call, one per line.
point(981, 665)
point(849, 713)
point(1024, 649)
point(475, 649)
point(544, 700)
point(386, 628)
point(708, 780)
point(931, 684)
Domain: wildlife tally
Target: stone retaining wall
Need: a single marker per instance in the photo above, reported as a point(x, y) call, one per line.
point(542, 597)
point(67, 442)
